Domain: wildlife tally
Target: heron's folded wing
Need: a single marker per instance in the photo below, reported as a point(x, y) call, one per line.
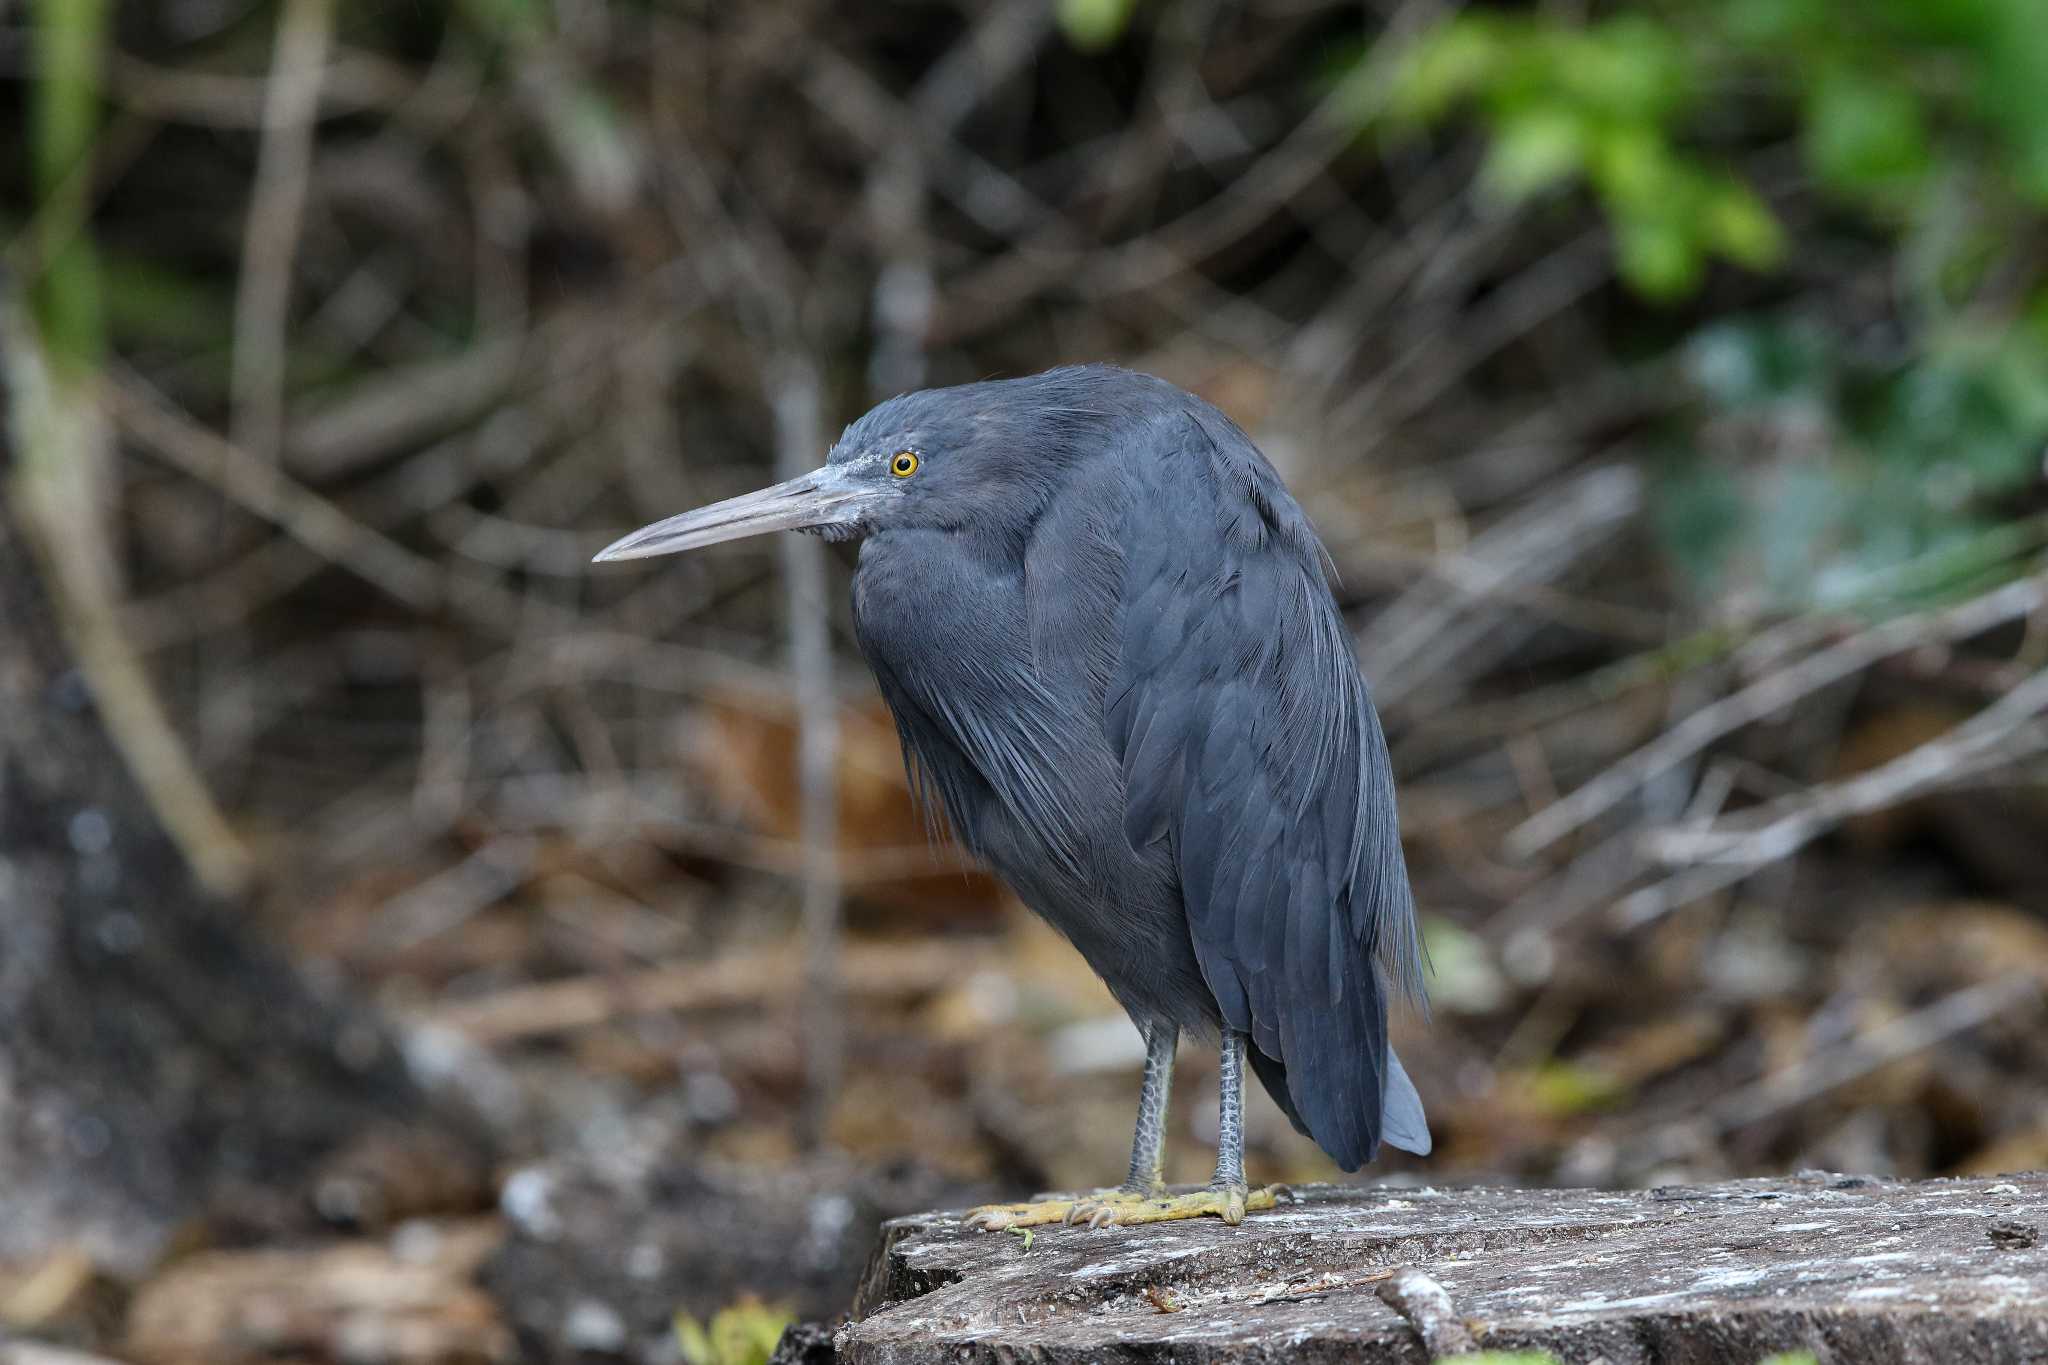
point(1249, 742)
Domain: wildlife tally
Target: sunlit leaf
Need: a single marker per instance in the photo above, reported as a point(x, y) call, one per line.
point(1445, 66)
point(1632, 69)
point(1635, 171)
point(1534, 150)
point(1093, 25)
point(1736, 223)
point(1566, 1088)
point(1658, 257)
point(745, 1333)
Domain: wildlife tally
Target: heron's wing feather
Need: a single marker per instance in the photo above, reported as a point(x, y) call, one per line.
point(1248, 741)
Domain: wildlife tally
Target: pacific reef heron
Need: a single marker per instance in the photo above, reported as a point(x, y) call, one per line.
point(1107, 636)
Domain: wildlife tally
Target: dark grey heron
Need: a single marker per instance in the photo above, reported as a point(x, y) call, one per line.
point(1107, 636)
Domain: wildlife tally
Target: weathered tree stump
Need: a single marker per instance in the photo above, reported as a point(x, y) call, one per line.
point(1849, 1268)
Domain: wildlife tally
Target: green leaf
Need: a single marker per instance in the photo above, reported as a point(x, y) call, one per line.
point(1093, 25)
point(1635, 171)
point(1737, 224)
point(1445, 65)
point(1658, 257)
point(1775, 21)
point(70, 38)
point(1864, 130)
point(745, 1333)
point(1566, 1088)
point(1630, 69)
point(1533, 150)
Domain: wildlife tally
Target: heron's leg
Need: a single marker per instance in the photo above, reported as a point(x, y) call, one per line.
point(1147, 1179)
point(1227, 1197)
point(1230, 1114)
point(1148, 1143)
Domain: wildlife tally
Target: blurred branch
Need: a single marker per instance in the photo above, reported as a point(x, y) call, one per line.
point(734, 979)
point(1450, 625)
point(1769, 695)
point(351, 83)
point(1999, 735)
point(799, 444)
point(59, 431)
point(1865, 1052)
point(61, 479)
point(271, 236)
point(259, 486)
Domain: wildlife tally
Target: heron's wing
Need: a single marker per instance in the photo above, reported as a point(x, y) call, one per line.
point(1248, 741)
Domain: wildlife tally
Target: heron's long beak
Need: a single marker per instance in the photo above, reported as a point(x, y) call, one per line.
point(822, 497)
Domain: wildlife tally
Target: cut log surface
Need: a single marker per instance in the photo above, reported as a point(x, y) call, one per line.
point(1847, 1267)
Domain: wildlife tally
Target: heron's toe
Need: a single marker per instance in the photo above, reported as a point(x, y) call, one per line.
point(1101, 1208)
point(1046, 1208)
point(1230, 1203)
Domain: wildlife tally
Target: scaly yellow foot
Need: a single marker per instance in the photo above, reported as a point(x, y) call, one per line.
point(1124, 1208)
point(1047, 1210)
point(1229, 1203)
point(1102, 1208)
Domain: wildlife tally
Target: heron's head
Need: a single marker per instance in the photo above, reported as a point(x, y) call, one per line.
point(977, 455)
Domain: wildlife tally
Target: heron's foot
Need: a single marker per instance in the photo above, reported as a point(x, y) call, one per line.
point(1228, 1202)
point(1104, 1207)
point(1040, 1210)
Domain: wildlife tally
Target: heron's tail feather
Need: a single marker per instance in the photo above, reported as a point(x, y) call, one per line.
point(1401, 1122)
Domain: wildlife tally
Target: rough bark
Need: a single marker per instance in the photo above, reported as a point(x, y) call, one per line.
point(601, 1254)
point(1849, 1268)
point(158, 1063)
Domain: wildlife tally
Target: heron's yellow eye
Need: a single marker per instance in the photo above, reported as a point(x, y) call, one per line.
point(904, 464)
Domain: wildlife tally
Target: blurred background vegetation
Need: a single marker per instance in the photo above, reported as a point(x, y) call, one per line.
point(1669, 379)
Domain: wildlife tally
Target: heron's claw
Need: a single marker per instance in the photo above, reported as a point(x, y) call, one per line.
point(1043, 1209)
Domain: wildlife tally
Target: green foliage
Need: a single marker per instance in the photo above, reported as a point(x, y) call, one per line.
point(1093, 25)
point(1862, 466)
point(1790, 1358)
point(1599, 105)
point(1891, 101)
point(64, 118)
point(1564, 1088)
point(743, 1334)
point(1504, 1358)
point(1817, 468)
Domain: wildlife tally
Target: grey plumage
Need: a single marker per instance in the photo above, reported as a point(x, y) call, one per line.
point(1106, 633)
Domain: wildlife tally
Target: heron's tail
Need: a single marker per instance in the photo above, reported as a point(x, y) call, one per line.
point(1401, 1122)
